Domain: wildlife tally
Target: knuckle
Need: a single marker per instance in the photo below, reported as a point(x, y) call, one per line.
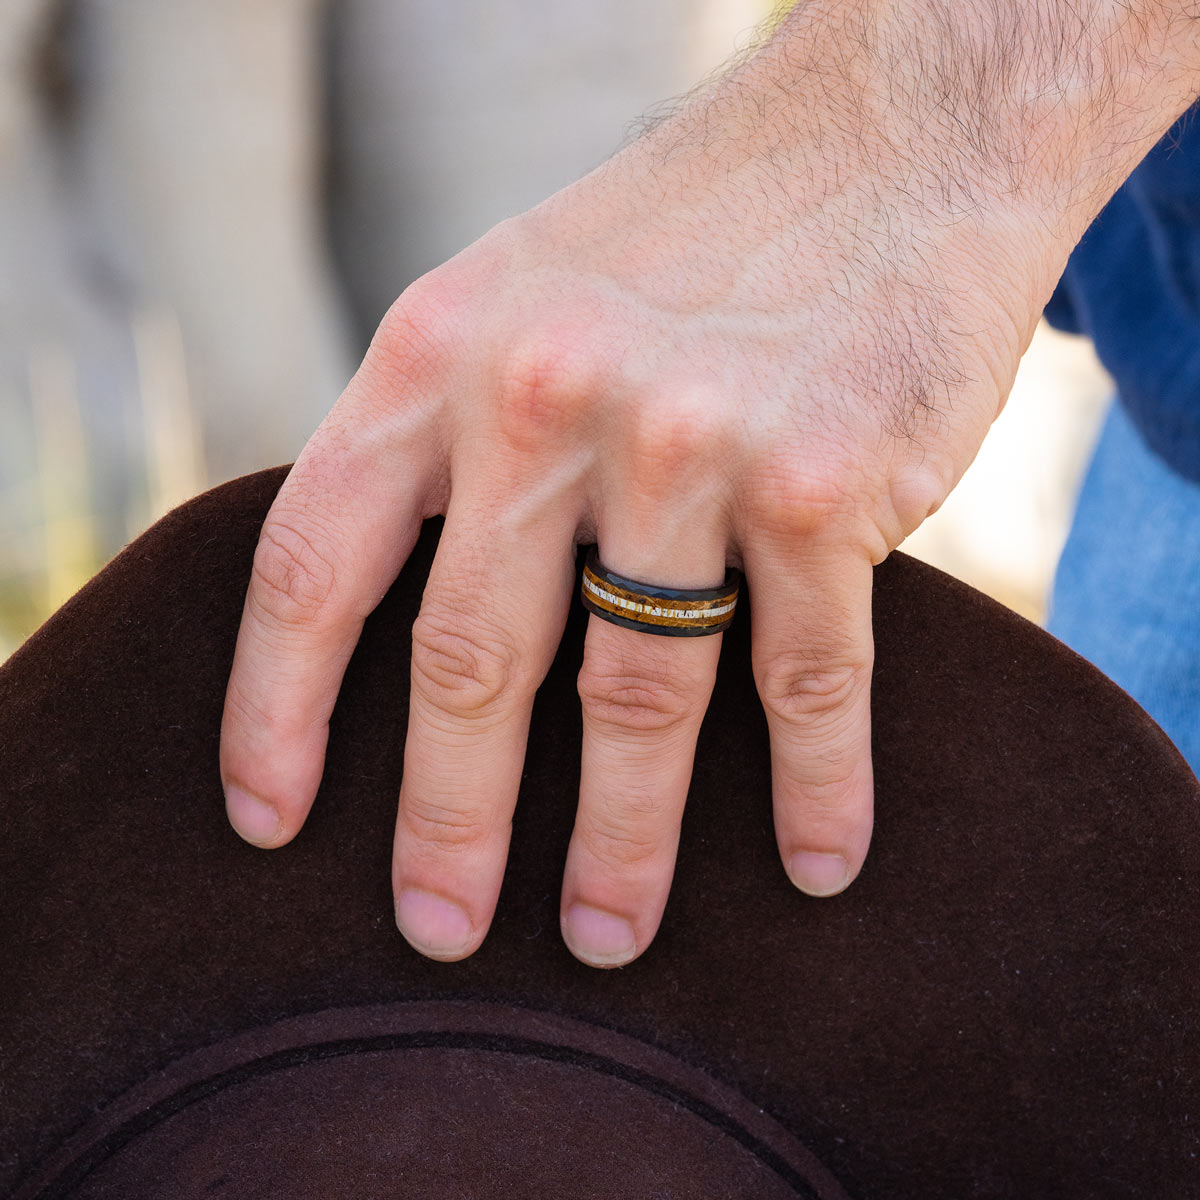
point(248, 710)
point(798, 496)
point(620, 840)
point(625, 701)
point(459, 666)
point(804, 692)
point(913, 495)
point(829, 799)
point(414, 339)
point(294, 579)
point(675, 436)
point(542, 388)
point(827, 782)
point(443, 826)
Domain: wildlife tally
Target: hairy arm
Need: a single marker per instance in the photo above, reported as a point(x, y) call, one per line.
point(1047, 102)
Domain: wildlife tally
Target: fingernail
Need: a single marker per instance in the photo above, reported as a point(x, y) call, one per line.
point(254, 819)
point(437, 928)
point(599, 938)
point(818, 874)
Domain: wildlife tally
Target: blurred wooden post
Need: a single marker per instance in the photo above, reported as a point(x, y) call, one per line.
point(450, 117)
point(196, 149)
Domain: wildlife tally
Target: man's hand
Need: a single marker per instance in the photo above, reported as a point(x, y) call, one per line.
point(772, 333)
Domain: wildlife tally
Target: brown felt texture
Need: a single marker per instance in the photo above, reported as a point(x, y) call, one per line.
point(1003, 1004)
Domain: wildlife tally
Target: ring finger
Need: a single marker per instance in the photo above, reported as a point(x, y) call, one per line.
point(644, 697)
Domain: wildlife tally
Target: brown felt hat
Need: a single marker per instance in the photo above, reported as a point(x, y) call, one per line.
point(1003, 1004)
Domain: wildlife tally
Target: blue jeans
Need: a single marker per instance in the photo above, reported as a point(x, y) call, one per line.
point(1127, 591)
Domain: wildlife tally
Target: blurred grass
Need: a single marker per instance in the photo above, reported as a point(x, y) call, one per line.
point(53, 521)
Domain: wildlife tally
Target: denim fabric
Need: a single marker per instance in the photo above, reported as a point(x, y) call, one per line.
point(1127, 591)
point(1133, 285)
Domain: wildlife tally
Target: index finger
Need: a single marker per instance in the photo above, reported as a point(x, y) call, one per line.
point(334, 540)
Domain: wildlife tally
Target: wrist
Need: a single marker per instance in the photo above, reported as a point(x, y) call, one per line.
point(1048, 104)
point(908, 166)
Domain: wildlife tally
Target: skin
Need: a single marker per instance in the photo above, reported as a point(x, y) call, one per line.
point(771, 333)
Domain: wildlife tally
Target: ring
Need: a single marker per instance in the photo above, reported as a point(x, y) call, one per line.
point(671, 612)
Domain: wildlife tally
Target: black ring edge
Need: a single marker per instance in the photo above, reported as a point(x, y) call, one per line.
point(732, 580)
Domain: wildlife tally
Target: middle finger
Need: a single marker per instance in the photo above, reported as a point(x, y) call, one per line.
point(491, 618)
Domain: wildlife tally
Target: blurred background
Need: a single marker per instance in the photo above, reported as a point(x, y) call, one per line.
point(207, 205)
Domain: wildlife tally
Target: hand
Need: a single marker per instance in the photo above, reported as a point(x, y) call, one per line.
point(771, 334)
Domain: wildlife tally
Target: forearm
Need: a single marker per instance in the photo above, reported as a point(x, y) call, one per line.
point(1031, 109)
point(1082, 87)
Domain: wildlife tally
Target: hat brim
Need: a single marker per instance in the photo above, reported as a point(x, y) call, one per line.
point(1003, 1004)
